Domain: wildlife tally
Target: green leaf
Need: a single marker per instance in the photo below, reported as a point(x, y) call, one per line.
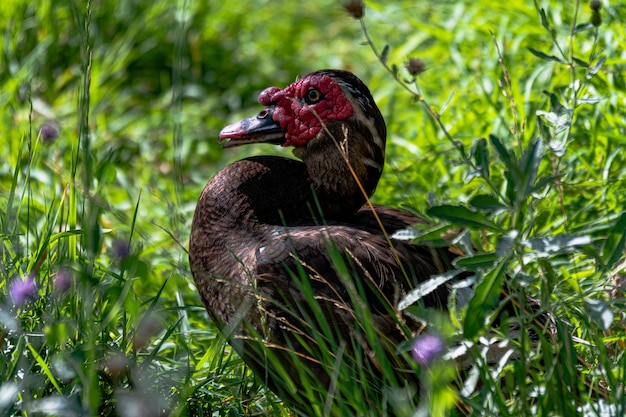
point(543, 182)
point(545, 56)
point(589, 100)
point(433, 236)
point(596, 67)
point(506, 242)
point(551, 245)
point(568, 358)
point(485, 299)
point(43, 365)
point(581, 27)
point(580, 62)
point(511, 173)
point(476, 262)
point(481, 156)
point(529, 167)
point(543, 17)
point(555, 105)
point(544, 131)
point(426, 288)
point(463, 216)
point(507, 157)
point(613, 248)
point(394, 70)
point(486, 202)
point(384, 54)
point(550, 117)
point(445, 105)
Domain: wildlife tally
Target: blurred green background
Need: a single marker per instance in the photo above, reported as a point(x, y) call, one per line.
point(167, 76)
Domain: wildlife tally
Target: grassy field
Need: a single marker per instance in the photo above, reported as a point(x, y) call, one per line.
point(109, 115)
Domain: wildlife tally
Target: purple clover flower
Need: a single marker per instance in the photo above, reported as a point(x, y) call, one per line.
point(63, 280)
point(426, 349)
point(23, 290)
point(48, 132)
point(121, 249)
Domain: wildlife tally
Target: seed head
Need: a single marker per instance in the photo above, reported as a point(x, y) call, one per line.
point(595, 5)
point(415, 66)
point(355, 8)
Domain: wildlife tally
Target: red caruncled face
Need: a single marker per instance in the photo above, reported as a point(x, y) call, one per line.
point(302, 107)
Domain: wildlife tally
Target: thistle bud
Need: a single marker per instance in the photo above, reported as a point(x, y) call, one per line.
point(595, 5)
point(596, 19)
point(415, 66)
point(355, 8)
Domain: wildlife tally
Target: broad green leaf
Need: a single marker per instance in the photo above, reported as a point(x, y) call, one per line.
point(434, 236)
point(529, 167)
point(485, 299)
point(476, 262)
point(507, 157)
point(486, 202)
point(480, 152)
point(426, 288)
point(550, 245)
point(505, 242)
point(463, 216)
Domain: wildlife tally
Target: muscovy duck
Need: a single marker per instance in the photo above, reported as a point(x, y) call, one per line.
point(265, 224)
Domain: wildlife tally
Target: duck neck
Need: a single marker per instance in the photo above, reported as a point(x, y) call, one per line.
point(343, 167)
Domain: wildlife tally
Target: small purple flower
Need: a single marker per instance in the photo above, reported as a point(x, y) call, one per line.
point(121, 249)
point(426, 349)
point(23, 290)
point(48, 132)
point(63, 280)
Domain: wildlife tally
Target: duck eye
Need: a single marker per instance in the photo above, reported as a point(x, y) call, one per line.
point(313, 95)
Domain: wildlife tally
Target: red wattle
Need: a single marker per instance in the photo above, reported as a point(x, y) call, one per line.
point(302, 121)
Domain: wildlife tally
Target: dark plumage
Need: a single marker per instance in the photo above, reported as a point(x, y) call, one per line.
point(262, 222)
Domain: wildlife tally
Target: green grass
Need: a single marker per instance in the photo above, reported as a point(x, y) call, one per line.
point(515, 133)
